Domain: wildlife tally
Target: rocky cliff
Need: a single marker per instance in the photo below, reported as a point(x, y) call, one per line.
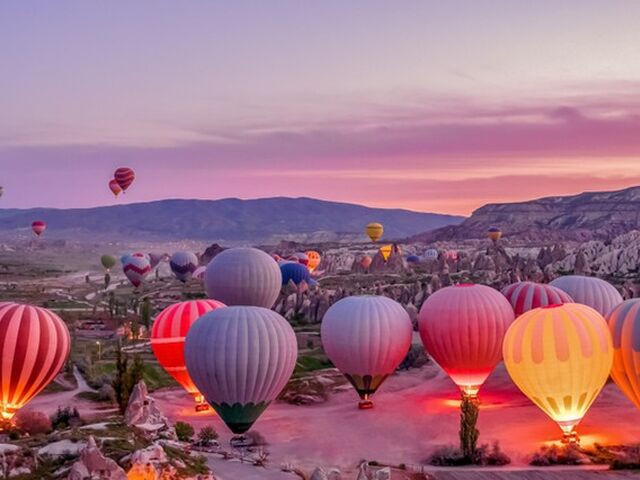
point(583, 217)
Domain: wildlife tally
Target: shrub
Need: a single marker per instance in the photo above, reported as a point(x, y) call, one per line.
point(256, 438)
point(555, 455)
point(490, 456)
point(184, 431)
point(448, 456)
point(207, 436)
point(33, 422)
point(65, 417)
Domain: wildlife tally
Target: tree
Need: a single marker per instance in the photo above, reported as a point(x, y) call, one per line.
point(145, 313)
point(468, 431)
point(184, 431)
point(207, 435)
point(126, 377)
point(107, 280)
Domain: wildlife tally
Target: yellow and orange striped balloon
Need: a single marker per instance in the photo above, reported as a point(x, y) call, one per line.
point(560, 357)
point(385, 251)
point(374, 230)
point(314, 260)
point(624, 322)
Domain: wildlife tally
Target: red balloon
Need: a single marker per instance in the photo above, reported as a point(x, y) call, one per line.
point(38, 227)
point(34, 344)
point(462, 328)
point(525, 296)
point(169, 330)
point(124, 176)
point(114, 187)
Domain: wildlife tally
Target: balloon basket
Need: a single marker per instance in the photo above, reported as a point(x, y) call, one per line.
point(240, 441)
point(365, 405)
point(202, 407)
point(571, 438)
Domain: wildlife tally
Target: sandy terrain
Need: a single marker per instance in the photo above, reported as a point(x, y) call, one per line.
point(415, 411)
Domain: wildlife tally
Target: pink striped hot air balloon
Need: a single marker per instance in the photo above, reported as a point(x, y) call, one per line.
point(35, 344)
point(136, 268)
point(462, 328)
point(168, 334)
point(366, 338)
point(590, 291)
point(525, 296)
point(624, 323)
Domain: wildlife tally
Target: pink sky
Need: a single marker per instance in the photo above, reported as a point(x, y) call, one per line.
point(430, 107)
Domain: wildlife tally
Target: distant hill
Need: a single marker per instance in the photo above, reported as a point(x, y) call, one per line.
point(583, 217)
point(257, 220)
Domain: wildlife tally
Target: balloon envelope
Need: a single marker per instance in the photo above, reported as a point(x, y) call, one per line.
point(108, 261)
point(296, 273)
point(168, 335)
point(314, 260)
point(124, 177)
point(525, 296)
point(114, 187)
point(136, 268)
point(243, 276)
point(385, 251)
point(462, 328)
point(38, 227)
point(494, 233)
point(375, 231)
point(366, 261)
point(624, 324)
point(183, 264)
point(413, 259)
point(240, 358)
point(34, 348)
point(560, 357)
point(431, 254)
point(591, 291)
point(366, 338)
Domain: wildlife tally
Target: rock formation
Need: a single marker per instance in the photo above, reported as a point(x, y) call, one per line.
point(93, 465)
point(142, 414)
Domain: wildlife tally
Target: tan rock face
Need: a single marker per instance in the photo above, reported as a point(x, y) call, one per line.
point(92, 464)
point(143, 414)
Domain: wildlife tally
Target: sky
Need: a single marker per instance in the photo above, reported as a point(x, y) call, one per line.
point(426, 105)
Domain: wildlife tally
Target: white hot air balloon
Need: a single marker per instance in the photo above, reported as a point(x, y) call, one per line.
point(183, 264)
point(240, 358)
point(199, 273)
point(366, 338)
point(591, 291)
point(431, 255)
point(243, 276)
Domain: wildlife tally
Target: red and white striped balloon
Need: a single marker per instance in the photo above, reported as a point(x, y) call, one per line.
point(168, 334)
point(124, 176)
point(34, 344)
point(525, 296)
point(136, 268)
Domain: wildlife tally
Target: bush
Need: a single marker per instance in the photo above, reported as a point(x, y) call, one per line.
point(184, 431)
point(207, 436)
point(256, 438)
point(33, 422)
point(65, 417)
point(555, 455)
point(448, 456)
point(490, 456)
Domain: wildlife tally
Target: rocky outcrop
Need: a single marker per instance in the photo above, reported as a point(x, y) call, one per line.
point(577, 218)
point(210, 253)
point(143, 415)
point(93, 464)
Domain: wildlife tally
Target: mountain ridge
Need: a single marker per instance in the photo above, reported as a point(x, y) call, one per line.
point(230, 219)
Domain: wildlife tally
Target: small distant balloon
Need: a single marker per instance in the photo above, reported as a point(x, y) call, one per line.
point(431, 254)
point(124, 177)
point(108, 261)
point(494, 233)
point(365, 261)
point(1, 191)
point(296, 273)
point(413, 259)
point(314, 260)
point(385, 251)
point(114, 187)
point(375, 231)
point(183, 264)
point(38, 227)
point(136, 268)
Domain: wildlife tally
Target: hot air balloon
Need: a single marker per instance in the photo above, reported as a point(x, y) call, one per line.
point(560, 357)
point(35, 344)
point(296, 273)
point(591, 291)
point(525, 296)
point(183, 264)
point(300, 257)
point(494, 233)
point(108, 261)
point(1, 191)
point(114, 187)
point(374, 231)
point(385, 251)
point(413, 259)
point(38, 227)
point(124, 176)
point(240, 358)
point(136, 268)
point(462, 327)
point(314, 260)
point(243, 276)
point(451, 255)
point(366, 338)
point(624, 324)
point(167, 340)
point(365, 261)
point(155, 259)
point(431, 255)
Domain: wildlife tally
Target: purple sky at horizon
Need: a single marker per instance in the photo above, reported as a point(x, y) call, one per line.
point(436, 106)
